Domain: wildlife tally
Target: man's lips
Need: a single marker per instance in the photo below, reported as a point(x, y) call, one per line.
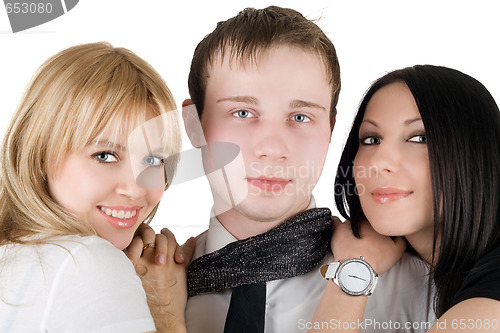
point(389, 194)
point(269, 183)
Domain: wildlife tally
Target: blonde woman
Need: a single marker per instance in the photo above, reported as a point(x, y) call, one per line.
point(85, 160)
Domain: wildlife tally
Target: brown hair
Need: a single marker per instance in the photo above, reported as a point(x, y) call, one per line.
point(254, 30)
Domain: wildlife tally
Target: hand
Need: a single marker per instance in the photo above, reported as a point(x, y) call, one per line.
point(146, 235)
point(164, 281)
point(381, 252)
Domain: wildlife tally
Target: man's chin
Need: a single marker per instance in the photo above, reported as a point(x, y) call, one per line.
point(267, 209)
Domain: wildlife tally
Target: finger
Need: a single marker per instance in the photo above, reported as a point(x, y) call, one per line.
point(141, 228)
point(172, 242)
point(188, 250)
point(161, 249)
point(147, 234)
point(134, 250)
point(179, 255)
point(148, 252)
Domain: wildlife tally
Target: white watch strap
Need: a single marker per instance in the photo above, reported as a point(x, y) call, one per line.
point(375, 280)
point(332, 269)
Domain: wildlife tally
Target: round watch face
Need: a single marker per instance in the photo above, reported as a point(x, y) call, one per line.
point(354, 277)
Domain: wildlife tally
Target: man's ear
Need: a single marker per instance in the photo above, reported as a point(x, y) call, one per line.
point(192, 124)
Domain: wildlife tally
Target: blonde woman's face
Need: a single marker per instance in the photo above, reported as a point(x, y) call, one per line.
point(101, 184)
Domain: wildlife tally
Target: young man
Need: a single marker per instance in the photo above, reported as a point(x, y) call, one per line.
point(264, 87)
point(268, 81)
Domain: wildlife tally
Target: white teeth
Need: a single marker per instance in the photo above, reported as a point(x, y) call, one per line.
point(120, 214)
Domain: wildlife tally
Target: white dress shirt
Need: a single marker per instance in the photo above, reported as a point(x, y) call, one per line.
point(401, 302)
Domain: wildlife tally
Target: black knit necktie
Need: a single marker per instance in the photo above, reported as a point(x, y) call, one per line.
point(291, 249)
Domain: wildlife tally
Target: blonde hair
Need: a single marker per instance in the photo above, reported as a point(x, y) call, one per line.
point(70, 100)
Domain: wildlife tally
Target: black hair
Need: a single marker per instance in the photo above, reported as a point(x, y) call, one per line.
point(462, 125)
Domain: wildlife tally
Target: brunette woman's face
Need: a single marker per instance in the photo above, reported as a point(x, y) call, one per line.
point(99, 185)
point(392, 171)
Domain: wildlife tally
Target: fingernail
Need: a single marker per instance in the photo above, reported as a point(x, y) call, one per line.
point(161, 258)
point(181, 256)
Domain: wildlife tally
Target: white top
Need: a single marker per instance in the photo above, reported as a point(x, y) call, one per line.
point(78, 284)
point(400, 303)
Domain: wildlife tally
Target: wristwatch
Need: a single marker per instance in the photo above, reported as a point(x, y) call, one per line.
point(354, 276)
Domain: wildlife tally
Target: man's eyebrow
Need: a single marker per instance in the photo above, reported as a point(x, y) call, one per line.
point(240, 99)
point(297, 104)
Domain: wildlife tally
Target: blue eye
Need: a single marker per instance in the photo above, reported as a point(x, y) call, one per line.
point(370, 140)
point(301, 118)
point(418, 139)
point(153, 161)
point(106, 157)
point(242, 114)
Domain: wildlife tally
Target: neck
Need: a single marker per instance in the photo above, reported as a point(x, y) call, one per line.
point(242, 227)
point(243, 224)
point(423, 245)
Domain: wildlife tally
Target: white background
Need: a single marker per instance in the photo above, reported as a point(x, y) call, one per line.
point(371, 38)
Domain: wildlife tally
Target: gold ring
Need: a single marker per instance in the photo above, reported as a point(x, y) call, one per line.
point(148, 245)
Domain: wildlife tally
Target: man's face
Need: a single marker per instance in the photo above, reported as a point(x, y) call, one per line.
point(277, 111)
